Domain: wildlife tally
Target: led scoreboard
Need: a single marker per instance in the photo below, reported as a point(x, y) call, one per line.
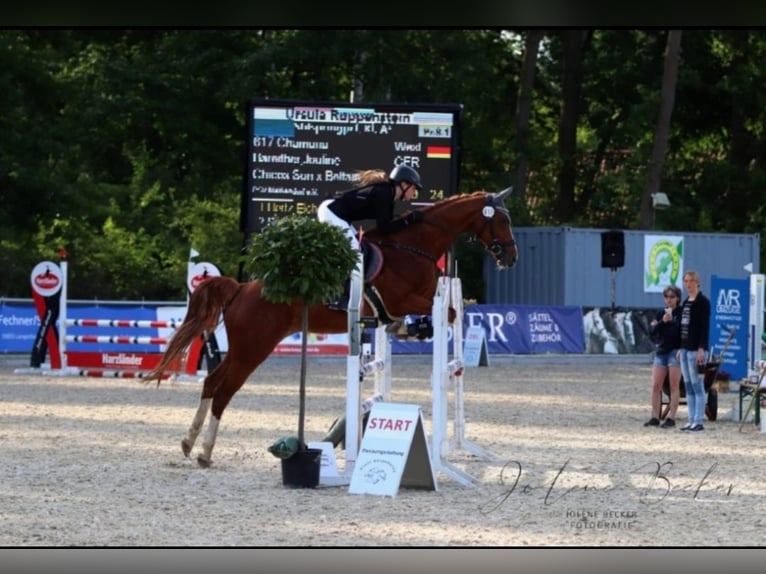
point(301, 153)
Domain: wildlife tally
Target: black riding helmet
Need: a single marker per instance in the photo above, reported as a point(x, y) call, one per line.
point(405, 173)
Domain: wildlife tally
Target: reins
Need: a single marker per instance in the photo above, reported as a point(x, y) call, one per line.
point(495, 247)
point(405, 247)
point(416, 250)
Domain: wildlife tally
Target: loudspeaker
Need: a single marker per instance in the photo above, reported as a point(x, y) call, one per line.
point(612, 249)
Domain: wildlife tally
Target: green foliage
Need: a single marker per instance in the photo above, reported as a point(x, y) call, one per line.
point(126, 146)
point(300, 258)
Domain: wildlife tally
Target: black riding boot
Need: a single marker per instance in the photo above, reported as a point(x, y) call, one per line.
point(341, 303)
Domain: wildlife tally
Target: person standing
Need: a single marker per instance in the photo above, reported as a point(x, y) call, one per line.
point(666, 332)
point(695, 331)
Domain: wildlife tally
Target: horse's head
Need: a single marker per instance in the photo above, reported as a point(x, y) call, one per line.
point(496, 233)
point(480, 214)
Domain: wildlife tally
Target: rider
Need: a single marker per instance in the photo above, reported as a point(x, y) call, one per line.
point(372, 198)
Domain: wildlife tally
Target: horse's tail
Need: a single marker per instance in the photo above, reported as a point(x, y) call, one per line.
point(205, 306)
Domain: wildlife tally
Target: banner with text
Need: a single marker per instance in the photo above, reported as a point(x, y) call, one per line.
point(730, 309)
point(517, 329)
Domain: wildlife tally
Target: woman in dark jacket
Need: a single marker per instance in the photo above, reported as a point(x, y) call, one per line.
point(666, 333)
point(374, 198)
point(695, 332)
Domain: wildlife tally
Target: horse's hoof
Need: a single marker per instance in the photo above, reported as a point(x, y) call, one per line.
point(202, 462)
point(186, 448)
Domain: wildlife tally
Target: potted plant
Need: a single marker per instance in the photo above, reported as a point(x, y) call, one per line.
point(301, 260)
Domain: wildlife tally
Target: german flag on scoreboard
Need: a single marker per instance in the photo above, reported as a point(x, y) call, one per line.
point(438, 152)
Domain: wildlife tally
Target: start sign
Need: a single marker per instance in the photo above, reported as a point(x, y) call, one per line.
point(394, 452)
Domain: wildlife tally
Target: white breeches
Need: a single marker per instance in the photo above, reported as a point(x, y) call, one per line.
point(326, 216)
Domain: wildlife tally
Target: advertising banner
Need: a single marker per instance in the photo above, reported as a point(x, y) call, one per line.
point(19, 324)
point(517, 329)
point(663, 262)
point(730, 309)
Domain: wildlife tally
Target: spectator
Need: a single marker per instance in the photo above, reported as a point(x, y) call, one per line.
point(695, 330)
point(666, 332)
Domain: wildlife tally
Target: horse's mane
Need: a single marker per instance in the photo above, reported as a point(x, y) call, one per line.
point(432, 209)
point(448, 201)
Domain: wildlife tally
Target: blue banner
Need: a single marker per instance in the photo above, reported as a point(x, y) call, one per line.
point(517, 329)
point(18, 327)
point(509, 329)
point(730, 308)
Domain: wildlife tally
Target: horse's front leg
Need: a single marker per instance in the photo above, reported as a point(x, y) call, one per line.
point(416, 305)
point(413, 305)
point(199, 419)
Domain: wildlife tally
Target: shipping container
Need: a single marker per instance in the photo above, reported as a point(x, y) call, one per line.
point(566, 265)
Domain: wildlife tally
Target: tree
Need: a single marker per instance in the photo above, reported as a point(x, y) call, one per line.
point(571, 78)
point(302, 261)
point(524, 109)
point(124, 145)
point(659, 149)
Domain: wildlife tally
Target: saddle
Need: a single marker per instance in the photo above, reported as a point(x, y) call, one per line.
point(373, 264)
point(373, 260)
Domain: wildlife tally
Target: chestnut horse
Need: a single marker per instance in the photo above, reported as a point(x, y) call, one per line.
point(406, 284)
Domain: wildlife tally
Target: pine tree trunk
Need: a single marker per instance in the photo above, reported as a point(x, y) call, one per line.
point(660, 147)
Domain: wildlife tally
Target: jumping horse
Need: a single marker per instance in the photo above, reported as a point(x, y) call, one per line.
point(405, 284)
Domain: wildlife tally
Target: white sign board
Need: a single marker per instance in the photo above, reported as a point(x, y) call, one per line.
point(475, 348)
point(329, 466)
point(394, 452)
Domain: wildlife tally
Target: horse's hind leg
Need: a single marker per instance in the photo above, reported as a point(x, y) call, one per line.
point(231, 376)
point(249, 345)
point(199, 419)
point(209, 386)
point(203, 459)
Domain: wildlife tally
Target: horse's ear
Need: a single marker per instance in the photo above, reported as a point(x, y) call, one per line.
point(501, 195)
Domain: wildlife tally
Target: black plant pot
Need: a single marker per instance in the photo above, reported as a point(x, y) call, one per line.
point(301, 470)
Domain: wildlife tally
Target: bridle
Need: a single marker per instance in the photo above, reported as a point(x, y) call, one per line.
point(496, 247)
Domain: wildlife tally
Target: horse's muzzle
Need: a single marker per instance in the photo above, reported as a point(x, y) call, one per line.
point(507, 260)
point(505, 254)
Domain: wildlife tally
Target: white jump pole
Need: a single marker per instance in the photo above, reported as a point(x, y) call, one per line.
point(356, 370)
point(447, 375)
point(757, 281)
point(459, 440)
point(353, 364)
point(63, 314)
point(383, 358)
point(440, 384)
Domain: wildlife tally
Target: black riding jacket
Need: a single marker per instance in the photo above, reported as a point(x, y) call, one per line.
point(695, 327)
point(374, 201)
